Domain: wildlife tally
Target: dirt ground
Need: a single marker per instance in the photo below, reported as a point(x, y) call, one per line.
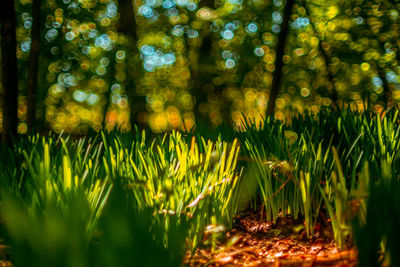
point(254, 242)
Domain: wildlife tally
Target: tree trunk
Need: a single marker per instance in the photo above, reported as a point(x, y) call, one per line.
point(127, 21)
point(9, 76)
point(33, 66)
point(206, 3)
point(199, 77)
point(127, 26)
point(199, 74)
point(387, 94)
point(280, 49)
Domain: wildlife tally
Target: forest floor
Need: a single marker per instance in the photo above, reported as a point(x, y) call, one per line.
point(254, 242)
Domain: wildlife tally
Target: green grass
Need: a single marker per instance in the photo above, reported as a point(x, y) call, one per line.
point(111, 199)
point(323, 162)
point(55, 191)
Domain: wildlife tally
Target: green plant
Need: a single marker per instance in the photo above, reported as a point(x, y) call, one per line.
point(52, 212)
point(174, 177)
point(293, 163)
point(377, 236)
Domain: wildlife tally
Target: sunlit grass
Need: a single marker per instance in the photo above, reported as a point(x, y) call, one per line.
point(321, 163)
point(63, 185)
point(68, 202)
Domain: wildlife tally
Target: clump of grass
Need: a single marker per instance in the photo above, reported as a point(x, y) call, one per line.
point(177, 178)
point(55, 191)
point(288, 179)
point(316, 162)
point(51, 209)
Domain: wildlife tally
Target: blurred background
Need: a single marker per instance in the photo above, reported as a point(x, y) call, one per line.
point(105, 64)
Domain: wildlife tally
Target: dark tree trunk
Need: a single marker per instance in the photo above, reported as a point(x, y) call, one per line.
point(127, 21)
point(9, 76)
point(280, 49)
point(33, 65)
point(387, 93)
point(325, 55)
point(206, 3)
point(127, 26)
point(107, 94)
point(199, 77)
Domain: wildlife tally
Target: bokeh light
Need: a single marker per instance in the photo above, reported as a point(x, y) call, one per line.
point(186, 58)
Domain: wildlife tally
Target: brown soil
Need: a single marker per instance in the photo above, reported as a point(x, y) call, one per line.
point(255, 243)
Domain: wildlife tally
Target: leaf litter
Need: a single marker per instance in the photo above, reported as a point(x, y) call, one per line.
point(254, 242)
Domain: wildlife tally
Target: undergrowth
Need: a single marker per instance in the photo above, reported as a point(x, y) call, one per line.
point(113, 199)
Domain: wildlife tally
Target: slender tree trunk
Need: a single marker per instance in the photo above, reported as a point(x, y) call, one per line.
point(127, 26)
point(199, 78)
point(33, 65)
point(387, 94)
point(280, 49)
point(107, 94)
point(327, 58)
point(9, 76)
point(127, 21)
point(206, 3)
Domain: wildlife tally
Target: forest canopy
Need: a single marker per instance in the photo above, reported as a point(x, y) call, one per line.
point(87, 64)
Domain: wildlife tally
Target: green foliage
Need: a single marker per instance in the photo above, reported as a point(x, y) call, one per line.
point(178, 178)
point(377, 238)
point(289, 166)
point(322, 163)
point(126, 238)
point(88, 201)
point(52, 211)
point(165, 193)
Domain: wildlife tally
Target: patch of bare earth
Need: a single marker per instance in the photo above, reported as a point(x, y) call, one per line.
point(253, 242)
